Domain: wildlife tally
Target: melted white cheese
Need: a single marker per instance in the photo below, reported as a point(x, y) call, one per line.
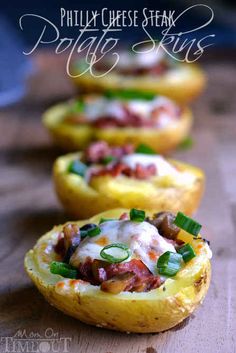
point(208, 251)
point(101, 107)
point(142, 239)
point(163, 167)
point(145, 108)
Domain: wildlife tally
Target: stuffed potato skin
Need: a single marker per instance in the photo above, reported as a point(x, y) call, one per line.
point(182, 85)
point(107, 192)
point(71, 137)
point(153, 311)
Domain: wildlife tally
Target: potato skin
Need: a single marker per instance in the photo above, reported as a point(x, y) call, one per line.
point(106, 192)
point(153, 311)
point(72, 138)
point(183, 86)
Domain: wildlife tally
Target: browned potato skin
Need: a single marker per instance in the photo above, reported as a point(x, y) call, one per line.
point(184, 90)
point(73, 138)
point(81, 200)
point(154, 311)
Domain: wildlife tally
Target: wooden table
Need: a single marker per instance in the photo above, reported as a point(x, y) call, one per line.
point(29, 207)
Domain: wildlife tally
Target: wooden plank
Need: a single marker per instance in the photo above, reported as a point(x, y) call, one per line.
point(29, 208)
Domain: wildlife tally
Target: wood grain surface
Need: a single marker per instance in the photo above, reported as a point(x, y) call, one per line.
point(29, 207)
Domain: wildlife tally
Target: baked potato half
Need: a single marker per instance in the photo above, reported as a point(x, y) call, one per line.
point(183, 84)
point(179, 191)
point(151, 69)
point(77, 135)
point(152, 311)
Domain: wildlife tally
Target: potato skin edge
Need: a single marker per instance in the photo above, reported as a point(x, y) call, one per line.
point(178, 306)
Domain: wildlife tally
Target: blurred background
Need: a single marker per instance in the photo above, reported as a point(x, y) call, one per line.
point(15, 67)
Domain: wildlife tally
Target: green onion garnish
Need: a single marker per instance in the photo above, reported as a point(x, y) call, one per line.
point(137, 215)
point(169, 263)
point(187, 252)
point(81, 65)
point(85, 228)
point(142, 148)
point(188, 224)
point(108, 159)
point(77, 167)
point(90, 232)
point(129, 95)
point(186, 143)
point(83, 234)
point(102, 220)
point(63, 269)
point(115, 253)
point(94, 231)
point(77, 107)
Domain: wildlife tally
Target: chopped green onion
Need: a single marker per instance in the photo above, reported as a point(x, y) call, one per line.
point(187, 252)
point(90, 232)
point(85, 228)
point(108, 159)
point(83, 234)
point(77, 167)
point(137, 215)
point(81, 65)
point(169, 263)
point(77, 107)
point(115, 253)
point(186, 143)
point(188, 224)
point(142, 148)
point(129, 95)
point(94, 231)
point(102, 220)
point(63, 269)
